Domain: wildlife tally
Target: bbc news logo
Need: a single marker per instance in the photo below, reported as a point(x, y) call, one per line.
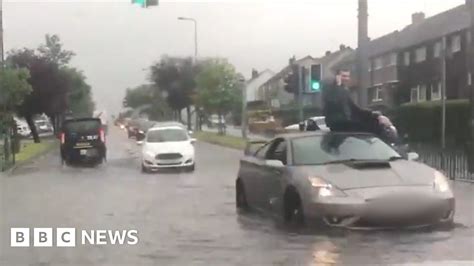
point(67, 237)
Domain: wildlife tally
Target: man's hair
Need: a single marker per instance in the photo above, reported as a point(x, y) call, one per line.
point(342, 70)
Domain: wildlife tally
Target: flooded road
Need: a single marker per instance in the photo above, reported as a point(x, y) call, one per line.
point(190, 218)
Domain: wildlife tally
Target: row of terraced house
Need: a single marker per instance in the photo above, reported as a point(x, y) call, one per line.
point(405, 65)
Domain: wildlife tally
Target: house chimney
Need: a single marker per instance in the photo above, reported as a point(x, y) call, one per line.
point(342, 47)
point(327, 53)
point(254, 73)
point(292, 60)
point(417, 18)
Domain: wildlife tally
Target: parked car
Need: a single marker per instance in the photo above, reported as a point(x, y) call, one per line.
point(320, 122)
point(44, 126)
point(215, 121)
point(342, 180)
point(83, 140)
point(23, 130)
point(168, 146)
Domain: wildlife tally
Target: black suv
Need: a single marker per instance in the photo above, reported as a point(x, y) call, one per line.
point(83, 140)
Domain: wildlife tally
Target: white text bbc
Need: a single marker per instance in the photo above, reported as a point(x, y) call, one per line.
point(66, 237)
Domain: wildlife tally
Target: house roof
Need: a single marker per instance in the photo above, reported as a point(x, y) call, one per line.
point(430, 28)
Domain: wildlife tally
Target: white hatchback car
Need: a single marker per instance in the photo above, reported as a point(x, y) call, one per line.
point(168, 147)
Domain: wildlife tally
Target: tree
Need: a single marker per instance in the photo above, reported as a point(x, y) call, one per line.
point(53, 50)
point(218, 87)
point(138, 96)
point(146, 95)
point(49, 87)
point(56, 88)
point(175, 77)
point(80, 101)
point(15, 87)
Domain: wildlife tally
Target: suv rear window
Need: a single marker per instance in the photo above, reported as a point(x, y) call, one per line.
point(83, 126)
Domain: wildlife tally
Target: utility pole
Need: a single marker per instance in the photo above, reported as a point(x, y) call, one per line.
point(2, 54)
point(443, 92)
point(243, 123)
point(363, 53)
point(471, 87)
point(300, 93)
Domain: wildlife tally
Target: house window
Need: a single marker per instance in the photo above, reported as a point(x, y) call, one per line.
point(393, 59)
point(414, 95)
point(420, 54)
point(377, 95)
point(456, 44)
point(406, 58)
point(437, 49)
point(469, 79)
point(422, 93)
point(378, 63)
point(436, 91)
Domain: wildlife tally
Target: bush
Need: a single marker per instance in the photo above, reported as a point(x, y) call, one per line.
point(422, 121)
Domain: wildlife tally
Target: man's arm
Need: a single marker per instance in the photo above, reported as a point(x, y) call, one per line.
point(361, 113)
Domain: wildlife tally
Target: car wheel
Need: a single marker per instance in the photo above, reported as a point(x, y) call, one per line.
point(144, 169)
point(240, 196)
point(293, 209)
point(191, 168)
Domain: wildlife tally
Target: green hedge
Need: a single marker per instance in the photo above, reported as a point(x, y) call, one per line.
point(422, 121)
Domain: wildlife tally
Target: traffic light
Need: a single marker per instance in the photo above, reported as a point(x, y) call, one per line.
point(316, 77)
point(292, 80)
point(145, 3)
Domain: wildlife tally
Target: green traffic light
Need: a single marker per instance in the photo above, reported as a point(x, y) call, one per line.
point(139, 2)
point(315, 85)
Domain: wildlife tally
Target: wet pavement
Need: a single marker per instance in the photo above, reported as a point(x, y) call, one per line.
point(190, 219)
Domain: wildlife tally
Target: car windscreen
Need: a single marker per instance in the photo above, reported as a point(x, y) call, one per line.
point(82, 126)
point(314, 150)
point(167, 135)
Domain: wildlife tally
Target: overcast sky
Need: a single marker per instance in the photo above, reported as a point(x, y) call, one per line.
point(115, 40)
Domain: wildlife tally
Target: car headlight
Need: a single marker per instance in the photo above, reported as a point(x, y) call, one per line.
point(440, 183)
point(324, 188)
point(149, 154)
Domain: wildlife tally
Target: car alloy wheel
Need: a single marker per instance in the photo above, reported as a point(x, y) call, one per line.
point(144, 169)
point(293, 211)
point(240, 197)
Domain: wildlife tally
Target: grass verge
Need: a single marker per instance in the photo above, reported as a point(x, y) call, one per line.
point(222, 140)
point(32, 150)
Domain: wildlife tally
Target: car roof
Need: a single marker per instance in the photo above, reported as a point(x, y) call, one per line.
point(168, 124)
point(81, 119)
point(320, 133)
point(155, 128)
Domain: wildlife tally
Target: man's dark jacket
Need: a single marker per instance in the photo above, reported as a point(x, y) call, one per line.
point(340, 109)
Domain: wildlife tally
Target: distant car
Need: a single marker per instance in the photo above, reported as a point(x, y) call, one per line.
point(143, 127)
point(133, 127)
point(342, 180)
point(320, 122)
point(23, 130)
point(83, 140)
point(43, 126)
point(215, 121)
point(168, 147)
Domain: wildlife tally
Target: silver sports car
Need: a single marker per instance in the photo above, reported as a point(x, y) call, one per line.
point(342, 180)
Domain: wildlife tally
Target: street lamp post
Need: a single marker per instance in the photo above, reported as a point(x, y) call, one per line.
point(471, 98)
point(196, 111)
point(195, 35)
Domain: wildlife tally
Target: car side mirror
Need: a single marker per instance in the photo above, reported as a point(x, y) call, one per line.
point(413, 156)
point(274, 163)
point(193, 141)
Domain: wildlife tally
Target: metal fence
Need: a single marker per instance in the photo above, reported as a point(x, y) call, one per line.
point(453, 163)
